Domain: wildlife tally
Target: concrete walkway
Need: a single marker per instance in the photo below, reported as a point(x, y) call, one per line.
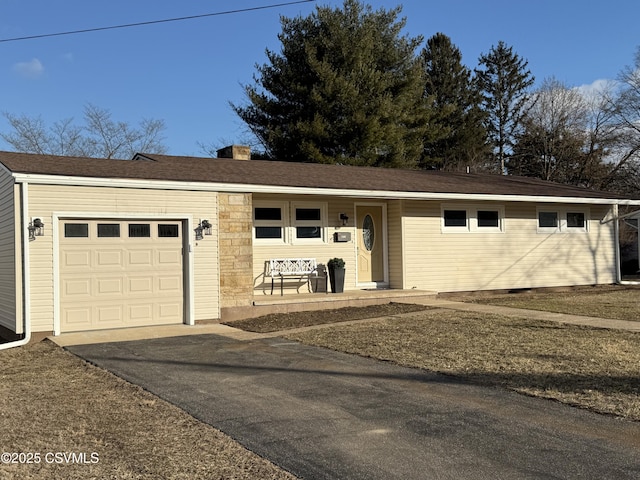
point(536, 314)
point(141, 333)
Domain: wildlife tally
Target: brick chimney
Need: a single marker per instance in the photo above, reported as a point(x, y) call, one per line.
point(237, 152)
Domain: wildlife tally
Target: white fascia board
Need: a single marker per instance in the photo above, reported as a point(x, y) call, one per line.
point(338, 192)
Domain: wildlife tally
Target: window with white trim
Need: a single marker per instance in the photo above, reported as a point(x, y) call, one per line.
point(563, 220)
point(455, 219)
point(306, 223)
point(269, 224)
point(309, 221)
point(575, 220)
point(488, 218)
point(548, 220)
point(473, 219)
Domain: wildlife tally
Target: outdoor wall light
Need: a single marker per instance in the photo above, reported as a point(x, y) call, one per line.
point(203, 228)
point(206, 226)
point(344, 218)
point(36, 228)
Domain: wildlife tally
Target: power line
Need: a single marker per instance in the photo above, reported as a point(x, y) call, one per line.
point(153, 22)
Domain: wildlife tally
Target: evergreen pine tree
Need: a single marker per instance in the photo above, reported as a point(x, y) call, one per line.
point(455, 101)
point(345, 87)
point(504, 81)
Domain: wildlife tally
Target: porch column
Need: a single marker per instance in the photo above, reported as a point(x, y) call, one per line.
point(236, 249)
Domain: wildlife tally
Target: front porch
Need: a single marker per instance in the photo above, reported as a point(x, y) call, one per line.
point(266, 304)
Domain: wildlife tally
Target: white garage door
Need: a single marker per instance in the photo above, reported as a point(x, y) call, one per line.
point(120, 273)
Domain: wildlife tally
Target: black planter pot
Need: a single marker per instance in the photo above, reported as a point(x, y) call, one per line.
point(336, 278)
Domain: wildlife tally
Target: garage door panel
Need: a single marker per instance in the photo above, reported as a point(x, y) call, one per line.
point(77, 287)
point(110, 316)
point(110, 286)
point(169, 258)
point(141, 258)
point(76, 258)
point(169, 310)
point(169, 284)
point(141, 312)
point(140, 285)
point(121, 281)
point(80, 318)
point(109, 258)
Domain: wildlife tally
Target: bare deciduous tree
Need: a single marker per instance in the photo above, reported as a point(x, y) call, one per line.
point(624, 110)
point(100, 137)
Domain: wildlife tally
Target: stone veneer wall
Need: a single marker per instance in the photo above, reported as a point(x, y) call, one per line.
point(236, 249)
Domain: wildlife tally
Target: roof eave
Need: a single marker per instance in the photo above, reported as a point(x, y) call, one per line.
point(256, 188)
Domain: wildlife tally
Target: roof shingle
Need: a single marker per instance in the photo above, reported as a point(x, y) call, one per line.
point(288, 174)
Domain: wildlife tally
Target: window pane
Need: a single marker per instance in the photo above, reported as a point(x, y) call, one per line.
point(74, 230)
point(267, 213)
point(108, 230)
point(139, 230)
point(575, 219)
point(167, 230)
point(268, 232)
point(368, 233)
point(488, 218)
point(548, 219)
point(455, 218)
point(307, 214)
point(308, 232)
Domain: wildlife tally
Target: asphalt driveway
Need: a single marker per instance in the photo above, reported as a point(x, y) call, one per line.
point(326, 415)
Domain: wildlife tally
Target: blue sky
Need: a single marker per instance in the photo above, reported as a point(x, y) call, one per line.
point(186, 73)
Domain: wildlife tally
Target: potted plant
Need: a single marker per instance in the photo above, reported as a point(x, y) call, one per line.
point(336, 274)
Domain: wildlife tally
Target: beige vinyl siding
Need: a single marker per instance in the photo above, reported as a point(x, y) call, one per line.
point(45, 200)
point(8, 276)
point(519, 257)
point(394, 229)
point(322, 252)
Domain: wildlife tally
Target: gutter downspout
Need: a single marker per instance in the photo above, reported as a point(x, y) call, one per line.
point(26, 275)
point(616, 229)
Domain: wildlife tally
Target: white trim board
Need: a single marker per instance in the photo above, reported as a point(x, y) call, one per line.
point(189, 300)
point(241, 188)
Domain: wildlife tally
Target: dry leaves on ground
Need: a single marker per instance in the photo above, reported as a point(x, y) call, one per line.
point(596, 369)
point(283, 321)
point(604, 301)
point(53, 402)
